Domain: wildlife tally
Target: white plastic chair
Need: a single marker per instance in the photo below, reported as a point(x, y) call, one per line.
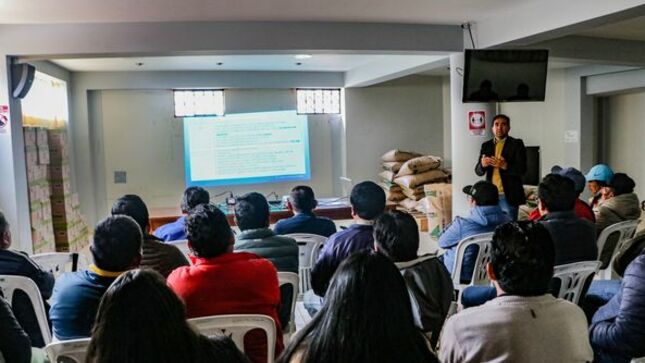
point(309, 246)
point(182, 245)
point(290, 278)
point(73, 350)
point(572, 278)
point(236, 327)
point(10, 283)
point(57, 262)
point(625, 231)
point(480, 277)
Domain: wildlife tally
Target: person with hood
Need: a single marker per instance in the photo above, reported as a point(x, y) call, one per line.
point(485, 215)
point(620, 202)
point(597, 177)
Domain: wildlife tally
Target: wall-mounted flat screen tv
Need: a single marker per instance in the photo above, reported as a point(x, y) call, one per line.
point(505, 75)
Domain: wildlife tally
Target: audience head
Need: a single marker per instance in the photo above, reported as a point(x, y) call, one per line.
point(574, 174)
point(366, 294)
point(597, 177)
point(482, 193)
point(620, 184)
point(208, 231)
point(252, 211)
point(396, 235)
point(5, 233)
point(302, 199)
point(556, 194)
point(132, 206)
point(367, 200)
point(140, 319)
point(522, 258)
point(194, 196)
point(117, 244)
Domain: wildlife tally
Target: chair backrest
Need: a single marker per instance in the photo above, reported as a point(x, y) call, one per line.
point(236, 327)
point(290, 278)
point(73, 350)
point(309, 246)
point(10, 283)
point(57, 262)
point(624, 231)
point(483, 241)
point(572, 278)
point(182, 245)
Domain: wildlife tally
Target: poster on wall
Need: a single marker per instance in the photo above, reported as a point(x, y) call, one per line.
point(477, 123)
point(4, 120)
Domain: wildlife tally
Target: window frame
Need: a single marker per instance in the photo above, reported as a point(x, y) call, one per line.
point(337, 90)
point(217, 90)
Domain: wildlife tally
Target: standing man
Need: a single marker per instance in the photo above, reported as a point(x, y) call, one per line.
point(503, 160)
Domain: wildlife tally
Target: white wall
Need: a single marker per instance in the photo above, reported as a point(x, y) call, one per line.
point(405, 114)
point(142, 137)
point(543, 123)
point(624, 136)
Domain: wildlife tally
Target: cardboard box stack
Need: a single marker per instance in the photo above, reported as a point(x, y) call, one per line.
point(437, 205)
point(70, 228)
point(37, 160)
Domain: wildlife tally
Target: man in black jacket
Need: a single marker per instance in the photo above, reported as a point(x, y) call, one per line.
point(503, 160)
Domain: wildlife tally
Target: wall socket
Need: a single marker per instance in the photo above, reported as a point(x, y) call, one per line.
point(120, 177)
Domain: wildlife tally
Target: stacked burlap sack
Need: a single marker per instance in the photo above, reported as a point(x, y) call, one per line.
point(406, 173)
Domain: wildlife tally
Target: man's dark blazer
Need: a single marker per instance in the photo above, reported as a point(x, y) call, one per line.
point(514, 153)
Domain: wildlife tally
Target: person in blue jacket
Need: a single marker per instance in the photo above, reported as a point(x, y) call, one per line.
point(485, 215)
point(176, 231)
point(302, 202)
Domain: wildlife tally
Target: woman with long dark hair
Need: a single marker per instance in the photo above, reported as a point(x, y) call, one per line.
point(141, 320)
point(366, 317)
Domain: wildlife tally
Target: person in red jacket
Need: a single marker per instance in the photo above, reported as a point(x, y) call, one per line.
point(582, 209)
point(222, 282)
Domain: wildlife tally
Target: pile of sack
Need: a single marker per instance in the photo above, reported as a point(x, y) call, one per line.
point(405, 174)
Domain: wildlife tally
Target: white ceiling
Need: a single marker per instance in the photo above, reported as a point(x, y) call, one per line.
point(275, 62)
point(631, 29)
point(404, 11)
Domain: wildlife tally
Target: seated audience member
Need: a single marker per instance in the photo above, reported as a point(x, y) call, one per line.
point(116, 248)
point(141, 320)
point(366, 317)
point(14, 342)
point(396, 235)
point(581, 209)
point(252, 217)
point(617, 329)
point(485, 215)
point(222, 282)
point(524, 323)
point(574, 238)
point(19, 264)
point(175, 231)
point(157, 255)
point(302, 202)
point(597, 177)
point(620, 203)
point(368, 202)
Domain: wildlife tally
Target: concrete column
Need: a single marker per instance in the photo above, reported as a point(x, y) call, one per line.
point(465, 143)
point(14, 199)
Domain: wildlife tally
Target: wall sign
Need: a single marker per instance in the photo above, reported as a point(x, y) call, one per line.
point(477, 123)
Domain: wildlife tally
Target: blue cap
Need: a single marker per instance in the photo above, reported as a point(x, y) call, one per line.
point(572, 173)
point(601, 173)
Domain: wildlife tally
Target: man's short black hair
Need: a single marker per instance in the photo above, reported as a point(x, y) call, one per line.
point(252, 211)
point(302, 199)
point(397, 235)
point(367, 199)
point(194, 196)
point(557, 193)
point(621, 183)
point(4, 224)
point(117, 242)
point(133, 206)
point(208, 231)
point(503, 117)
point(522, 256)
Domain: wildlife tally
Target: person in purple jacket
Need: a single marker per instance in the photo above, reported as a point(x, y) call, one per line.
point(368, 202)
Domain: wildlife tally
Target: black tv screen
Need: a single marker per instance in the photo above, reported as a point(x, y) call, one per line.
point(511, 75)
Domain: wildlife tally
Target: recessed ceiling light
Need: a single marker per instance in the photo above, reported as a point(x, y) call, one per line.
point(298, 63)
point(139, 64)
point(219, 63)
point(302, 56)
